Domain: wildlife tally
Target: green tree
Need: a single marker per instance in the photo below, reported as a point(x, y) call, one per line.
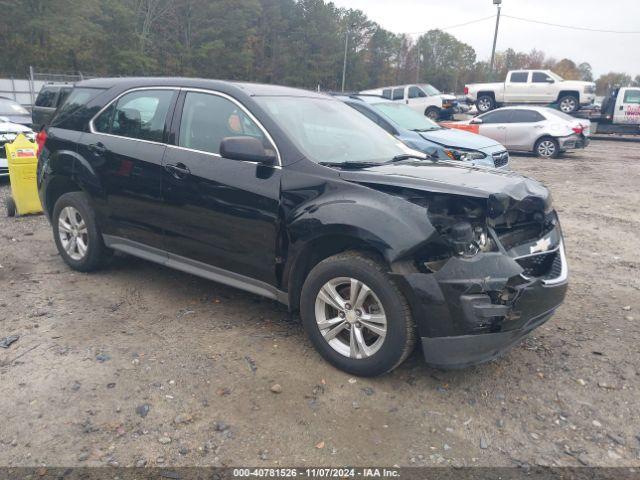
point(612, 79)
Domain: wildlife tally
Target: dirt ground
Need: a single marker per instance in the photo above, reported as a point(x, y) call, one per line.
point(142, 365)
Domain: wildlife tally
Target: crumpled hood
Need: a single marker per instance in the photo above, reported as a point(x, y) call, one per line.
point(10, 127)
point(451, 137)
point(452, 178)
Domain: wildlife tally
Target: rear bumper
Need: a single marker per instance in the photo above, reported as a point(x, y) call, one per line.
point(574, 142)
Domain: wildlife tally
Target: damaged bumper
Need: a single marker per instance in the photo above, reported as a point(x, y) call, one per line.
point(472, 310)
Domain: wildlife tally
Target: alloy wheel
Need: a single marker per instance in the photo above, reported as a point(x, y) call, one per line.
point(73, 233)
point(547, 148)
point(568, 105)
point(484, 105)
point(350, 317)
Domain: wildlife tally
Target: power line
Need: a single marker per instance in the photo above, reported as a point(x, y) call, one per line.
point(571, 26)
point(453, 26)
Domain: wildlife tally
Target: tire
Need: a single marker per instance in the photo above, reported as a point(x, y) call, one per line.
point(11, 207)
point(568, 104)
point(375, 353)
point(433, 113)
point(83, 250)
point(547, 147)
point(485, 103)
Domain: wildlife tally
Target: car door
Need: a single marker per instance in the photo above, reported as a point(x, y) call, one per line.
point(124, 148)
point(516, 89)
point(494, 124)
point(523, 129)
point(219, 212)
point(627, 109)
point(416, 99)
point(542, 88)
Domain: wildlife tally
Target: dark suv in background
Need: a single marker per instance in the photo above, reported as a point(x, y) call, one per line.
point(297, 197)
point(50, 97)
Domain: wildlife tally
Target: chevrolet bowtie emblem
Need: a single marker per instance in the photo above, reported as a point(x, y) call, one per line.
point(541, 245)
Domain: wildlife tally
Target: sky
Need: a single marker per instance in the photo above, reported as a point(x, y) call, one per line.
point(604, 51)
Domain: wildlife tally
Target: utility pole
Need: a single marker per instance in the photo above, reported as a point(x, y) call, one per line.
point(344, 65)
point(495, 35)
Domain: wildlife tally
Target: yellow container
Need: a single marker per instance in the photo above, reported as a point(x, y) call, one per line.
point(23, 162)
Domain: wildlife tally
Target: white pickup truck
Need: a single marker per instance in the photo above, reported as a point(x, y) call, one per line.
point(422, 97)
point(532, 87)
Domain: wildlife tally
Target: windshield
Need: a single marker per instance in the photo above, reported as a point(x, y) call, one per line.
point(557, 78)
point(406, 117)
point(9, 107)
point(329, 131)
point(430, 89)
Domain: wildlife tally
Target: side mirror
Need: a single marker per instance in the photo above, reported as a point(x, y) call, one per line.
point(550, 80)
point(475, 121)
point(248, 149)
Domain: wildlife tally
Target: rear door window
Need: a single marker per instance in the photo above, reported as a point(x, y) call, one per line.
point(519, 77)
point(499, 116)
point(141, 115)
point(386, 93)
point(526, 116)
point(398, 93)
point(46, 97)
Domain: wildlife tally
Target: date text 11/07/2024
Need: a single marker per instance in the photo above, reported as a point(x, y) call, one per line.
point(316, 472)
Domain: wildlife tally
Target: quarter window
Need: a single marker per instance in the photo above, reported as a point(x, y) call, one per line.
point(46, 97)
point(398, 93)
point(519, 77)
point(207, 119)
point(386, 93)
point(141, 114)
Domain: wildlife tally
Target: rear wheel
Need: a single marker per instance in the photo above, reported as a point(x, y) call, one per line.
point(355, 316)
point(568, 104)
point(433, 113)
point(547, 147)
point(485, 103)
point(76, 233)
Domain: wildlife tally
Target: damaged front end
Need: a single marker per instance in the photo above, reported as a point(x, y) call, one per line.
point(494, 270)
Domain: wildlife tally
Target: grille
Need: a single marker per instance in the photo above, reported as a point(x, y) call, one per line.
point(545, 265)
point(500, 159)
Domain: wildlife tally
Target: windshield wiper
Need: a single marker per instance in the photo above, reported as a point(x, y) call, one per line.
point(350, 165)
point(408, 156)
point(419, 130)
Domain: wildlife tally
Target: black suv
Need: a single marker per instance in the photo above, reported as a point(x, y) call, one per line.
point(297, 197)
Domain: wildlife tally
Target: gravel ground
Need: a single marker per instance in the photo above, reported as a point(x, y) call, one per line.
point(142, 365)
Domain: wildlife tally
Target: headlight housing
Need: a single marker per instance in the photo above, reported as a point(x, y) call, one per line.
point(464, 155)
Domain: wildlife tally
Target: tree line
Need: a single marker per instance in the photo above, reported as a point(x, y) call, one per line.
point(298, 43)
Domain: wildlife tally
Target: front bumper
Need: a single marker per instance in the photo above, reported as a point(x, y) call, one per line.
point(472, 310)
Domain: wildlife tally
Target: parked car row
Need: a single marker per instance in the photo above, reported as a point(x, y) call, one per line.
point(423, 98)
point(306, 199)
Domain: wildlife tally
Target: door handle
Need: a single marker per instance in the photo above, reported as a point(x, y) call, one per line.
point(97, 148)
point(178, 170)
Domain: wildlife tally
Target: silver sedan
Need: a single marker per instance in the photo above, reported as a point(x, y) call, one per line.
point(543, 131)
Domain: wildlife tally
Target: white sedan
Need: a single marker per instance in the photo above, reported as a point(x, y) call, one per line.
point(8, 133)
point(543, 131)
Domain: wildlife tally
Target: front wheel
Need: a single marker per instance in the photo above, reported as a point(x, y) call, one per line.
point(547, 148)
point(355, 316)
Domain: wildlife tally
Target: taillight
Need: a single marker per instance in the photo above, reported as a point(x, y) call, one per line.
point(466, 90)
point(41, 138)
point(579, 129)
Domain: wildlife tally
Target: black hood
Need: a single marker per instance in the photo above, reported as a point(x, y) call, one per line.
point(446, 177)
